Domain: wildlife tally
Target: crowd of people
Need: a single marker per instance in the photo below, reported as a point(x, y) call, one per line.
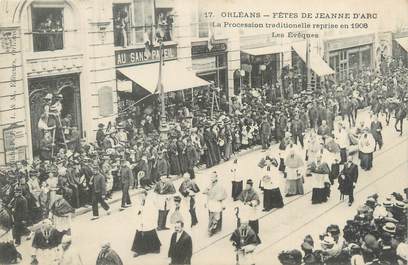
point(375, 235)
point(130, 154)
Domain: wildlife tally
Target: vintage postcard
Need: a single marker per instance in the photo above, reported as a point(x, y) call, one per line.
point(205, 132)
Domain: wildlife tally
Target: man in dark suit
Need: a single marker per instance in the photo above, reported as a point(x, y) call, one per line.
point(297, 130)
point(348, 179)
point(265, 133)
point(181, 246)
point(126, 176)
point(98, 193)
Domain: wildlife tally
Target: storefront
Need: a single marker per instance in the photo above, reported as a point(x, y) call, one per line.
point(350, 56)
point(319, 69)
point(262, 65)
point(400, 47)
point(46, 93)
point(138, 75)
point(210, 62)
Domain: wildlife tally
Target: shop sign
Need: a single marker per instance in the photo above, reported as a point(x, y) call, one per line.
point(15, 142)
point(207, 63)
point(142, 55)
point(203, 50)
point(350, 42)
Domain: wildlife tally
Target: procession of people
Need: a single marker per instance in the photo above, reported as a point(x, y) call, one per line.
point(315, 140)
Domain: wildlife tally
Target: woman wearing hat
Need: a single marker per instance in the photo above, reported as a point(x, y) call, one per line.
point(52, 184)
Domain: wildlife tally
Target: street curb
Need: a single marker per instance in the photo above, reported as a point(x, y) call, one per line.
point(133, 193)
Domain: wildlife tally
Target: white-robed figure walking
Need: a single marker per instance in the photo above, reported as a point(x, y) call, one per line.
point(366, 146)
point(146, 239)
point(321, 182)
point(248, 208)
point(313, 146)
point(272, 197)
point(216, 195)
point(294, 174)
point(60, 214)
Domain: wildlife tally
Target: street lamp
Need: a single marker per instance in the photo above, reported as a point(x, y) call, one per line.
point(163, 122)
point(241, 75)
point(262, 67)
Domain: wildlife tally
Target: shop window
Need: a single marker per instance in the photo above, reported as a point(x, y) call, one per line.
point(47, 29)
point(203, 30)
point(143, 21)
point(121, 24)
point(55, 113)
point(366, 58)
point(105, 101)
point(237, 82)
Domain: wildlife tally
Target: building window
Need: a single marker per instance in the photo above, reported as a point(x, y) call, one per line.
point(164, 22)
point(203, 26)
point(48, 29)
point(121, 24)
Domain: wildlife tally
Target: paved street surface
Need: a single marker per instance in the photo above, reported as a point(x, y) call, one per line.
point(280, 229)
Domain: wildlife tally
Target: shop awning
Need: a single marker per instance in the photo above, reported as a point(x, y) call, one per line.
point(175, 76)
point(403, 42)
point(317, 64)
point(265, 50)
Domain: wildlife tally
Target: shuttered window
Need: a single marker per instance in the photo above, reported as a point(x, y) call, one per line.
point(105, 101)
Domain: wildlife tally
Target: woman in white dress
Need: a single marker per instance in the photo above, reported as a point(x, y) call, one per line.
point(52, 185)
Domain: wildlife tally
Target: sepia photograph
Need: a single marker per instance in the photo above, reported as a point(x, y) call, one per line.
point(204, 132)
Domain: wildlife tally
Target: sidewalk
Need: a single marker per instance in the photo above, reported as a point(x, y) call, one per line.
point(117, 195)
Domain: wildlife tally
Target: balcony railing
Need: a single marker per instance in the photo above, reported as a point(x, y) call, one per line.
point(48, 40)
point(139, 35)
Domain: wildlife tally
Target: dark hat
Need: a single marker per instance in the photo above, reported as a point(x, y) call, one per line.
point(249, 181)
point(397, 196)
point(306, 246)
point(399, 204)
point(177, 198)
point(34, 173)
point(101, 125)
point(333, 229)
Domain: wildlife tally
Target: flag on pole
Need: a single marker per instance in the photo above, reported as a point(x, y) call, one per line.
point(211, 37)
point(308, 63)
